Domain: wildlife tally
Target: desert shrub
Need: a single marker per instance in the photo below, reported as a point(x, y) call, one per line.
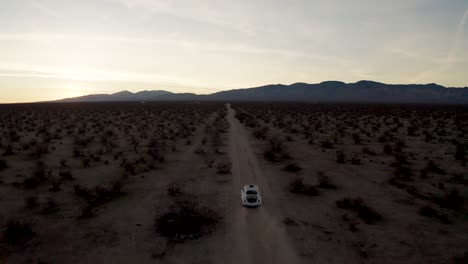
point(461, 259)
point(66, 175)
point(31, 202)
point(17, 232)
point(261, 133)
point(8, 151)
point(460, 151)
point(55, 186)
point(276, 152)
point(50, 207)
point(297, 186)
point(31, 182)
point(82, 192)
point(356, 160)
point(325, 182)
point(433, 167)
point(290, 222)
point(366, 213)
point(401, 158)
point(423, 174)
point(402, 173)
point(186, 221)
point(40, 150)
point(292, 167)
point(223, 167)
point(327, 144)
point(387, 149)
point(368, 151)
point(40, 172)
point(430, 212)
point(452, 200)
point(3, 165)
point(357, 139)
point(130, 168)
point(340, 157)
point(174, 189)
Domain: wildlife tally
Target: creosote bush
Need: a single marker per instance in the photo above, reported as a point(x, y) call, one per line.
point(430, 212)
point(17, 232)
point(292, 167)
point(297, 186)
point(366, 213)
point(325, 182)
point(186, 220)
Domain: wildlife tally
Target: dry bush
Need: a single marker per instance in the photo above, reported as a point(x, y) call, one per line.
point(66, 175)
point(8, 151)
point(55, 186)
point(357, 139)
point(186, 221)
point(366, 213)
point(31, 202)
point(460, 151)
point(276, 152)
point(356, 160)
point(223, 167)
point(430, 212)
point(368, 151)
point(289, 222)
point(292, 167)
point(100, 195)
point(461, 259)
point(261, 133)
point(387, 149)
point(452, 200)
point(17, 232)
point(325, 182)
point(340, 157)
point(174, 189)
point(433, 167)
point(297, 186)
point(326, 144)
point(50, 207)
point(3, 165)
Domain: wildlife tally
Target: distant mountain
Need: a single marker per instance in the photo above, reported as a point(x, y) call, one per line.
point(126, 96)
point(330, 91)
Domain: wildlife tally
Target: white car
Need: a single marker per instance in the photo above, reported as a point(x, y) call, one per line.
point(250, 196)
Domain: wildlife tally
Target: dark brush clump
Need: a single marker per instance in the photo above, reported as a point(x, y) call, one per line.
point(277, 152)
point(3, 165)
point(292, 167)
point(187, 221)
point(297, 186)
point(430, 212)
point(366, 213)
point(17, 232)
point(325, 182)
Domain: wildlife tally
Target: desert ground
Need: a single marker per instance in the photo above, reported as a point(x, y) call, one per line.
point(160, 183)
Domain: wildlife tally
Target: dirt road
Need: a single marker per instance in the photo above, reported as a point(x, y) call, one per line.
point(253, 235)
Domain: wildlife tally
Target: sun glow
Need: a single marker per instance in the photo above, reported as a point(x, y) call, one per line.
point(74, 90)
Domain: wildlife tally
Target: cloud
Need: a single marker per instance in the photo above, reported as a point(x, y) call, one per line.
point(226, 14)
point(452, 55)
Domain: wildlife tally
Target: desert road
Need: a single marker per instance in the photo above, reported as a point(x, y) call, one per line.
point(253, 235)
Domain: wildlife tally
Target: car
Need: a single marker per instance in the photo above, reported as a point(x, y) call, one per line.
point(250, 196)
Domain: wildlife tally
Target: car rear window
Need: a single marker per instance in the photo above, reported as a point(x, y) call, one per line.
point(251, 192)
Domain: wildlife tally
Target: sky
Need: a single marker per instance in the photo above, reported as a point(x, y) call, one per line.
point(51, 49)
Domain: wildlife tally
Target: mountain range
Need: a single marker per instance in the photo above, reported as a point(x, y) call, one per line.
point(330, 91)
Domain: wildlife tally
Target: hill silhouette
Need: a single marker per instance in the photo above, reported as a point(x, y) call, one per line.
point(329, 91)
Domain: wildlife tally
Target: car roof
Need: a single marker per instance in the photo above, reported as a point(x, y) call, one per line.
point(251, 187)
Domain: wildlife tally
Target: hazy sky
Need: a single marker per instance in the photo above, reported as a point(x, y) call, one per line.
point(52, 49)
